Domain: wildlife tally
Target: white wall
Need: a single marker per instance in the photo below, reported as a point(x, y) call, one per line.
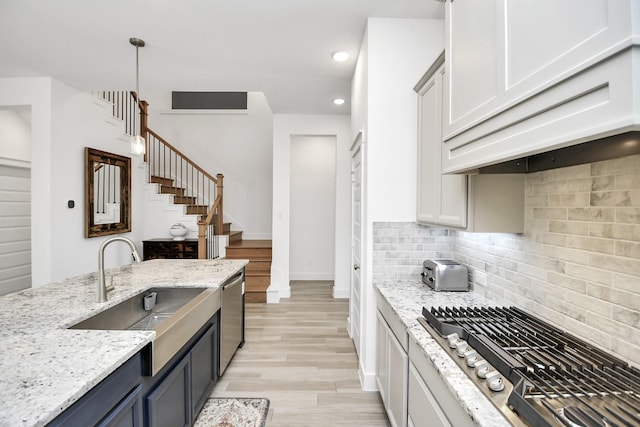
point(78, 122)
point(284, 127)
point(312, 207)
point(239, 146)
point(393, 57)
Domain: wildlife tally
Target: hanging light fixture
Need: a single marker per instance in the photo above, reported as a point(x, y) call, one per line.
point(137, 141)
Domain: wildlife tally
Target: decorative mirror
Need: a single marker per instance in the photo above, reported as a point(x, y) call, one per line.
point(107, 195)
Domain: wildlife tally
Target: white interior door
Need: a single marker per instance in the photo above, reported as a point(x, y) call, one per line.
point(356, 243)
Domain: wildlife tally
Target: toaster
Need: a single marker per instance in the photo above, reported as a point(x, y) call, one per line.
point(445, 275)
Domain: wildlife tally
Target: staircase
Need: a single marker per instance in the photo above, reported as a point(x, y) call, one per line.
point(175, 175)
point(258, 271)
point(167, 186)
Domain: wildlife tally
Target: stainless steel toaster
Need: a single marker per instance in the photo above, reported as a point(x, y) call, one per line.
point(445, 275)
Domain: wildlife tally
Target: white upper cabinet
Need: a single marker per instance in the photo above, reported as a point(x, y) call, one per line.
point(476, 203)
point(442, 199)
point(523, 77)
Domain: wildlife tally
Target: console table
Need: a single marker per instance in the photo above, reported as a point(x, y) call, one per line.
point(167, 248)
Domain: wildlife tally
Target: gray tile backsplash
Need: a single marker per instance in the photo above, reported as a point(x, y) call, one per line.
point(577, 263)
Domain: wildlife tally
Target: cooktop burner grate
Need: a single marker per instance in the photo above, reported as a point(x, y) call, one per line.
point(553, 372)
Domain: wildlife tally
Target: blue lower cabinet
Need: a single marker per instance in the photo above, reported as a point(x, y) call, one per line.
point(128, 413)
point(113, 402)
point(168, 405)
point(179, 397)
point(175, 396)
point(204, 369)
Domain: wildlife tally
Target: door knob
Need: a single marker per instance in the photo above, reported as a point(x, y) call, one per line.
point(356, 267)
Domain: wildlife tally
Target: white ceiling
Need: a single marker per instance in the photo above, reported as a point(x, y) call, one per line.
point(280, 47)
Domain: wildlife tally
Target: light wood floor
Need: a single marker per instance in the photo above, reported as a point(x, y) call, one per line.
point(299, 356)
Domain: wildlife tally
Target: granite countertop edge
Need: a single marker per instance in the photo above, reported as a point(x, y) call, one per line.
point(406, 298)
point(45, 367)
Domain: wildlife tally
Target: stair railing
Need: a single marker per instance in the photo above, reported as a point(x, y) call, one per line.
point(175, 172)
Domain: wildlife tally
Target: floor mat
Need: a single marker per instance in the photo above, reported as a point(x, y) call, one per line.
point(233, 412)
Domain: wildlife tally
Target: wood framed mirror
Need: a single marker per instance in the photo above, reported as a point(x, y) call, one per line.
point(107, 195)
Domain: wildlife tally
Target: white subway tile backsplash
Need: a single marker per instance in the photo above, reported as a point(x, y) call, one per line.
point(628, 249)
point(615, 231)
point(569, 227)
point(591, 244)
point(603, 183)
point(615, 198)
point(567, 200)
point(590, 333)
point(563, 281)
point(598, 275)
point(628, 180)
point(627, 215)
point(624, 349)
point(592, 214)
point(616, 167)
point(626, 283)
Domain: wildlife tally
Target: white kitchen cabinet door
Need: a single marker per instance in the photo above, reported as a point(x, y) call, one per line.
point(523, 77)
point(424, 410)
point(474, 59)
point(398, 368)
point(442, 199)
point(382, 359)
point(430, 402)
point(477, 203)
point(391, 373)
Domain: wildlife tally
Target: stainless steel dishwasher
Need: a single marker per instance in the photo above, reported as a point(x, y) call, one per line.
point(231, 319)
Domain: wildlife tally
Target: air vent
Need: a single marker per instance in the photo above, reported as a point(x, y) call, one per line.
point(209, 100)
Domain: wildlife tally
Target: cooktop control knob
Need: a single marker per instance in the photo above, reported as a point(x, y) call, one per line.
point(462, 347)
point(452, 340)
point(471, 357)
point(481, 369)
point(494, 381)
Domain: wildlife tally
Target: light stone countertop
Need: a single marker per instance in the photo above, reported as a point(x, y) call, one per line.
point(407, 297)
point(44, 367)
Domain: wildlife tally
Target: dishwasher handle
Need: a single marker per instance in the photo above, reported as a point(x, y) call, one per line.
point(235, 280)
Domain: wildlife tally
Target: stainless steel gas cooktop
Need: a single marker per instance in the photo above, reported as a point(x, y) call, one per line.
point(535, 373)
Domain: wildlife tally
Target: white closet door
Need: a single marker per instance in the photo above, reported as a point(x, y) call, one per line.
point(15, 229)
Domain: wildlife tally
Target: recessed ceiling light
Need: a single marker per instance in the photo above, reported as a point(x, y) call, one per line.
point(338, 101)
point(340, 56)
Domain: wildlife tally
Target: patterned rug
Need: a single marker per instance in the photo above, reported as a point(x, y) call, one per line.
point(233, 412)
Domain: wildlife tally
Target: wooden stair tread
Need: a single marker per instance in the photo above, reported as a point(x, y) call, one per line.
point(161, 180)
point(184, 200)
point(165, 189)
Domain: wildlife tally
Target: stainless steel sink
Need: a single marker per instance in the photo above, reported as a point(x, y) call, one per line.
point(176, 317)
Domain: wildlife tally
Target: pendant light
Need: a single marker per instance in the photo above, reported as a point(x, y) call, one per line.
point(137, 141)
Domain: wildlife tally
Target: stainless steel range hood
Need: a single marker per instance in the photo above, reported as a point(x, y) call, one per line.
point(611, 147)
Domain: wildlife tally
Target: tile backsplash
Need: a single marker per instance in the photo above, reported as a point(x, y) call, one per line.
point(577, 263)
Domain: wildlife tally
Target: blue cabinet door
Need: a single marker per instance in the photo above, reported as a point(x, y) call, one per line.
point(168, 405)
point(204, 368)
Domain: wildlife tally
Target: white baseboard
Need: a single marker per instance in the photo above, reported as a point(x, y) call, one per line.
point(368, 381)
point(341, 293)
point(311, 276)
point(274, 295)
